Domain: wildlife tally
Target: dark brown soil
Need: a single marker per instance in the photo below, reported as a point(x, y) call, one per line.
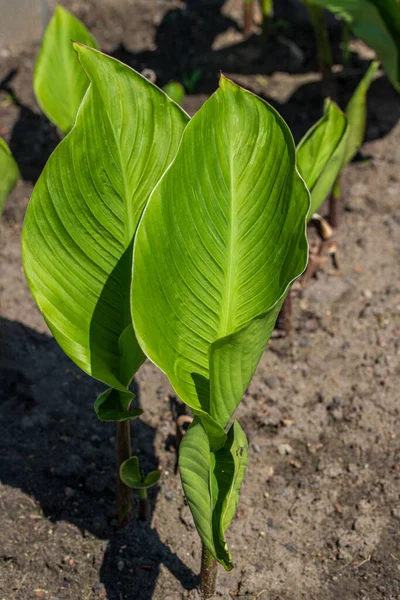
point(319, 513)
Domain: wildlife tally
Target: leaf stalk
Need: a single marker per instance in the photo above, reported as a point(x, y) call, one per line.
point(334, 205)
point(144, 507)
point(123, 493)
point(208, 574)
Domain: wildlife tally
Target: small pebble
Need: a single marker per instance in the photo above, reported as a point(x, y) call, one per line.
point(272, 382)
point(169, 495)
point(284, 449)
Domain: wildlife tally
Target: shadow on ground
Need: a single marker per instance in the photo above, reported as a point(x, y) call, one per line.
point(33, 137)
point(55, 450)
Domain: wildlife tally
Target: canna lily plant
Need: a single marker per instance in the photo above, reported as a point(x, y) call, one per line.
point(80, 225)
point(9, 173)
point(220, 241)
point(214, 256)
point(322, 154)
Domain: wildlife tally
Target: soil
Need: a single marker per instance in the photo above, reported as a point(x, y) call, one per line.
point(319, 512)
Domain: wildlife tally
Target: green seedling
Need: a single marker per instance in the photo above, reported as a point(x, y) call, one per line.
point(320, 155)
point(220, 241)
point(80, 224)
point(175, 91)
point(133, 477)
point(9, 173)
point(377, 23)
point(59, 82)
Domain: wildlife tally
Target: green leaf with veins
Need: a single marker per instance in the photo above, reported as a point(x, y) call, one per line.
point(211, 482)
point(220, 242)
point(9, 173)
point(320, 154)
point(59, 82)
point(82, 218)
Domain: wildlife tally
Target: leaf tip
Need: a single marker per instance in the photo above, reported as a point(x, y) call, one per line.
point(60, 10)
point(226, 83)
point(79, 47)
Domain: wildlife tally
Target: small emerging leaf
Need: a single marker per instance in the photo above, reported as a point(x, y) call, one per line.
point(131, 474)
point(211, 482)
point(320, 154)
point(59, 81)
point(113, 405)
point(9, 173)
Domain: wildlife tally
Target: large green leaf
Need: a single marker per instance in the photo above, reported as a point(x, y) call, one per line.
point(9, 173)
point(83, 214)
point(377, 23)
point(211, 482)
point(58, 81)
point(220, 241)
point(356, 113)
point(321, 152)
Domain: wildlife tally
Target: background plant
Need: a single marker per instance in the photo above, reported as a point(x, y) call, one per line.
point(58, 81)
point(80, 224)
point(356, 114)
point(377, 23)
point(322, 154)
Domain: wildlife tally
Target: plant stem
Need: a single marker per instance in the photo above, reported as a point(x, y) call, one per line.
point(345, 43)
point(267, 9)
point(208, 574)
point(324, 54)
point(248, 17)
point(144, 506)
point(285, 315)
point(123, 452)
point(334, 204)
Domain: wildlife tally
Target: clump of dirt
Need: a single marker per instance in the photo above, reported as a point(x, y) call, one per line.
point(320, 506)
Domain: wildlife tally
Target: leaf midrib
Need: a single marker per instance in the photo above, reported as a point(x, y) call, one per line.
point(226, 323)
point(128, 233)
